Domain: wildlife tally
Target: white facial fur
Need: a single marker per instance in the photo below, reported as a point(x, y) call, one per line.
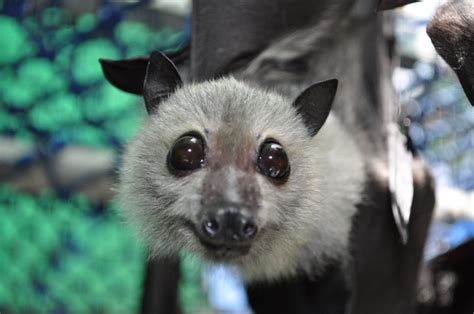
point(305, 221)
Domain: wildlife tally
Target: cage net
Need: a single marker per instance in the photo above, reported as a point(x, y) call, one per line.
point(63, 248)
point(58, 256)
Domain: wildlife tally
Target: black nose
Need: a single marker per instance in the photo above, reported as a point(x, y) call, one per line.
point(227, 226)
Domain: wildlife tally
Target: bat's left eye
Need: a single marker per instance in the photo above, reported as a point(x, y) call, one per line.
point(187, 153)
point(273, 161)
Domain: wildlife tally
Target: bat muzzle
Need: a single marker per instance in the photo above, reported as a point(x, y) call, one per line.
point(227, 228)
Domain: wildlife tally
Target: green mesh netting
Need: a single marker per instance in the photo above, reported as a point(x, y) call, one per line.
point(62, 255)
point(55, 255)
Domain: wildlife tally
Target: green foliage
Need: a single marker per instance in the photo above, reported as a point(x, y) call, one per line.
point(41, 88)
point(107, 102)
point(56, 112)
point(85, 67)
point(85, 23)
point(14, 41)
point(191, 294)
point(35, 78)
point(133, 34)
point(52, 17)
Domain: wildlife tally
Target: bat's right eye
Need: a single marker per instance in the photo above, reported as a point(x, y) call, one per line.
point(187, 154)
point(273, 161)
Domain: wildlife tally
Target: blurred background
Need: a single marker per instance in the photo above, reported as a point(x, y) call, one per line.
point(63, 248)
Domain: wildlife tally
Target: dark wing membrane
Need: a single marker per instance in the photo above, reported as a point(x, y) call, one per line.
point(452, 34)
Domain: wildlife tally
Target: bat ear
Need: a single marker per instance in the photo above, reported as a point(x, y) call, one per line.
point(161, 80)
point(314, 104)
point(154, 77)
point(392, 4)
point(127, 75)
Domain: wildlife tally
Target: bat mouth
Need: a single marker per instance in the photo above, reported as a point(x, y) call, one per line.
point(225, 252)
point(221, 252)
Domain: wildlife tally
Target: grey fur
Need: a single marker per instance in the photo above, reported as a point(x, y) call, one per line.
point(306, 221)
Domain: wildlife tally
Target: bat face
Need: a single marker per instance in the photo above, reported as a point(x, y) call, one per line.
point(226, 171)
point(239, 175)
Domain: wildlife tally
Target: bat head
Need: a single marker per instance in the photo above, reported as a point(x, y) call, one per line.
point(228, 171)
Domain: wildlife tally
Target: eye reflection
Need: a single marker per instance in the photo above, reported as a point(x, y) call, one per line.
point(273, 161)
point(187, 153)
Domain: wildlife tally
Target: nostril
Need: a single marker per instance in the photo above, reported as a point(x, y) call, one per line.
point(249, 229)
point(211, 227)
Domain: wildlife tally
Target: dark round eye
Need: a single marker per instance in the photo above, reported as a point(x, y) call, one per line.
point(187, 153)
point(273, 161)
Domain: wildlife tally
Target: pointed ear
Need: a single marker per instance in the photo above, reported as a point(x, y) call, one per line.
point(161, 80)
point(392, 4)
point(127, 75)
point(314, 104)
